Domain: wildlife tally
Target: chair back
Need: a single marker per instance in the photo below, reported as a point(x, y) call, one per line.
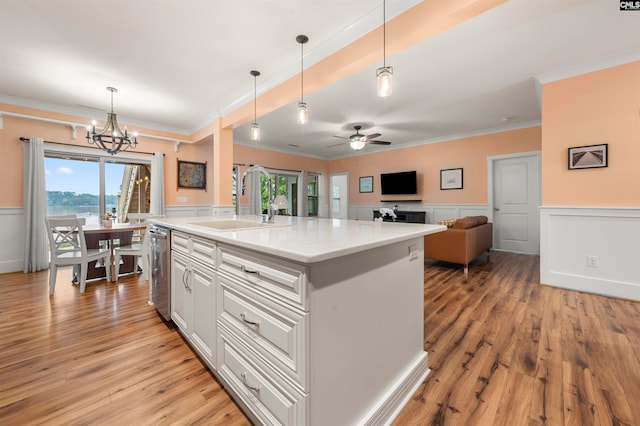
point(140, 218)
point(66, 235)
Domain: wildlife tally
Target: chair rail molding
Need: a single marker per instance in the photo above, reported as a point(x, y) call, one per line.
point(591, 249)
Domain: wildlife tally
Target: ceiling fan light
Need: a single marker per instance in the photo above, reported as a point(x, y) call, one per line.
point(254, 133)
point(303, 113)
point(357, 145)
point(384, 81)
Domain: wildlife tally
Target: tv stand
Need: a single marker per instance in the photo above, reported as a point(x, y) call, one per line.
point(404, 216)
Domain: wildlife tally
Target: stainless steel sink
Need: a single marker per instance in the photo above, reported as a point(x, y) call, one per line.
point(236, 225)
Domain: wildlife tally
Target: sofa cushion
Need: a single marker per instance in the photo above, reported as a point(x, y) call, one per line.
point(466, 222)
point(482, 220)
point(470, 221)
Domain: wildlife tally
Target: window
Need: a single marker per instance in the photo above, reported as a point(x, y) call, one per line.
point(90, 186)
point(285, 184)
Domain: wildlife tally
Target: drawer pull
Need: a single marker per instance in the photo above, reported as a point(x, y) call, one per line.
point(244, 381)
point(249, 271)
point(244, 318)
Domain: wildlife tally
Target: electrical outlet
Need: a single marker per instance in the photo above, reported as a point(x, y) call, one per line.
point(592, 261)
point(181, 199)
point(413, 252)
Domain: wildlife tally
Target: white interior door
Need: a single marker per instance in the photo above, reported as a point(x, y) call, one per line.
point(516, 198)
point(339, 195)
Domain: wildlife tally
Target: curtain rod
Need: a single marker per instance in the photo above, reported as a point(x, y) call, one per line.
point(23, 139)
point(284, 170)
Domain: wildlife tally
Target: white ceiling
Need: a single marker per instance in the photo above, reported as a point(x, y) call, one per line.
point(180, 64)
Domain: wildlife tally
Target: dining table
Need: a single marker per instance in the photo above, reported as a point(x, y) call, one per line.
point(116, 235)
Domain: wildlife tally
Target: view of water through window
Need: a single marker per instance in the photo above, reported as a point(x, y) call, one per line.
point(73, 187)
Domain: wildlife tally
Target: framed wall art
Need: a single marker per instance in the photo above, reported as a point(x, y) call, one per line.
point(192, 175)
point(589, 157)
point(366, 184)
point(451, 179)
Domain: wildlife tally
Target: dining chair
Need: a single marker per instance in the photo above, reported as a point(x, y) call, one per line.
point(139, 249)
point(68, 247)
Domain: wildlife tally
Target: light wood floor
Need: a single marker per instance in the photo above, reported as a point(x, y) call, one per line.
point(503, 350)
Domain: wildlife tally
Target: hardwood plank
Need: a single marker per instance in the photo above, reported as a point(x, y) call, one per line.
point(504, 350)
point(555, 356)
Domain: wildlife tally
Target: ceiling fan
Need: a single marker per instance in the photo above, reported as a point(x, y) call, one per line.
point(357, 141)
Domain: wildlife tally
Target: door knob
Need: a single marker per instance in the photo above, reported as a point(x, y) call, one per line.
point(496, 209)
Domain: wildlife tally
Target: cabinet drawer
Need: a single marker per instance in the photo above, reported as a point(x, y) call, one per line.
point(284, 280)
point(274, 403)
point(198, 248)
point(275, 332)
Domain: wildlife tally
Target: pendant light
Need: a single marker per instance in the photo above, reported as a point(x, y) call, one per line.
point(384, 74)
point(254, 134)
point(302, 113)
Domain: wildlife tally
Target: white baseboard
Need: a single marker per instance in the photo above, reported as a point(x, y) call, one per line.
point(594, 250)
point(391, 404)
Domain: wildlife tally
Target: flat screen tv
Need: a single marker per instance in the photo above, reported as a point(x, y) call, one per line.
point(399, 183)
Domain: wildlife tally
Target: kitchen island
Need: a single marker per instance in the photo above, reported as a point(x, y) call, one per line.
point(306, 321)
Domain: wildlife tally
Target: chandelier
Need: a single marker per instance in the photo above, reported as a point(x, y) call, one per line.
point(111, 139)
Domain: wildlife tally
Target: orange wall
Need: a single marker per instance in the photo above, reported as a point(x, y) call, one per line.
point(600, 107)
point(11, 160)
point(470, 154)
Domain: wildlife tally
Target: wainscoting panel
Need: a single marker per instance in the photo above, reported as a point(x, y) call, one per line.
point(595, 250)
point(12, 233)
point(435, 212)
point(191, 211)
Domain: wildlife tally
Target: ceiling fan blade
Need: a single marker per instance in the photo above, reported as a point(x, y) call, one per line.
point(340, 137)
point(372, 136)
point(379, 142)
point(334, 145)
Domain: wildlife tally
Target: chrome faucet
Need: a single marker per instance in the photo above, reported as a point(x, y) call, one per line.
point(270, 210)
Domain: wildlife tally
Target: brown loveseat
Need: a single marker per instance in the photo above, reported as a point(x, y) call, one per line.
point(467, 239)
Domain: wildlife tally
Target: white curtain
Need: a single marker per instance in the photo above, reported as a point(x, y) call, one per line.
point(303, 207)
point(36, 254)
point(157, 184)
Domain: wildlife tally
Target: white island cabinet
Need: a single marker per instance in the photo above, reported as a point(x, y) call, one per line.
point(308, 321)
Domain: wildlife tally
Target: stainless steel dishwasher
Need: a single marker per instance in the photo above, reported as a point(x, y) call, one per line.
point(161, 269)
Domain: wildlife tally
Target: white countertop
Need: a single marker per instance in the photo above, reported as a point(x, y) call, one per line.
point(302, 239)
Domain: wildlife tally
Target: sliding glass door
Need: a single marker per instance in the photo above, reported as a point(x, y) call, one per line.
point(91, 186)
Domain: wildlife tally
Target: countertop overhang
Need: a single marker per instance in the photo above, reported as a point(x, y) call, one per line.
point(303, 239)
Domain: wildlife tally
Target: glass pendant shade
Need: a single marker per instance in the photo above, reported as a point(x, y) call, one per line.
point(303, 113)
point(384, 81)
point(255, 132)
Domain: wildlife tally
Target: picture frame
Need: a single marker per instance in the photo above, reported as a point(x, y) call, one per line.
point(192, 175)
point(450, 179)
point(366, 184)
point(589, 156)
